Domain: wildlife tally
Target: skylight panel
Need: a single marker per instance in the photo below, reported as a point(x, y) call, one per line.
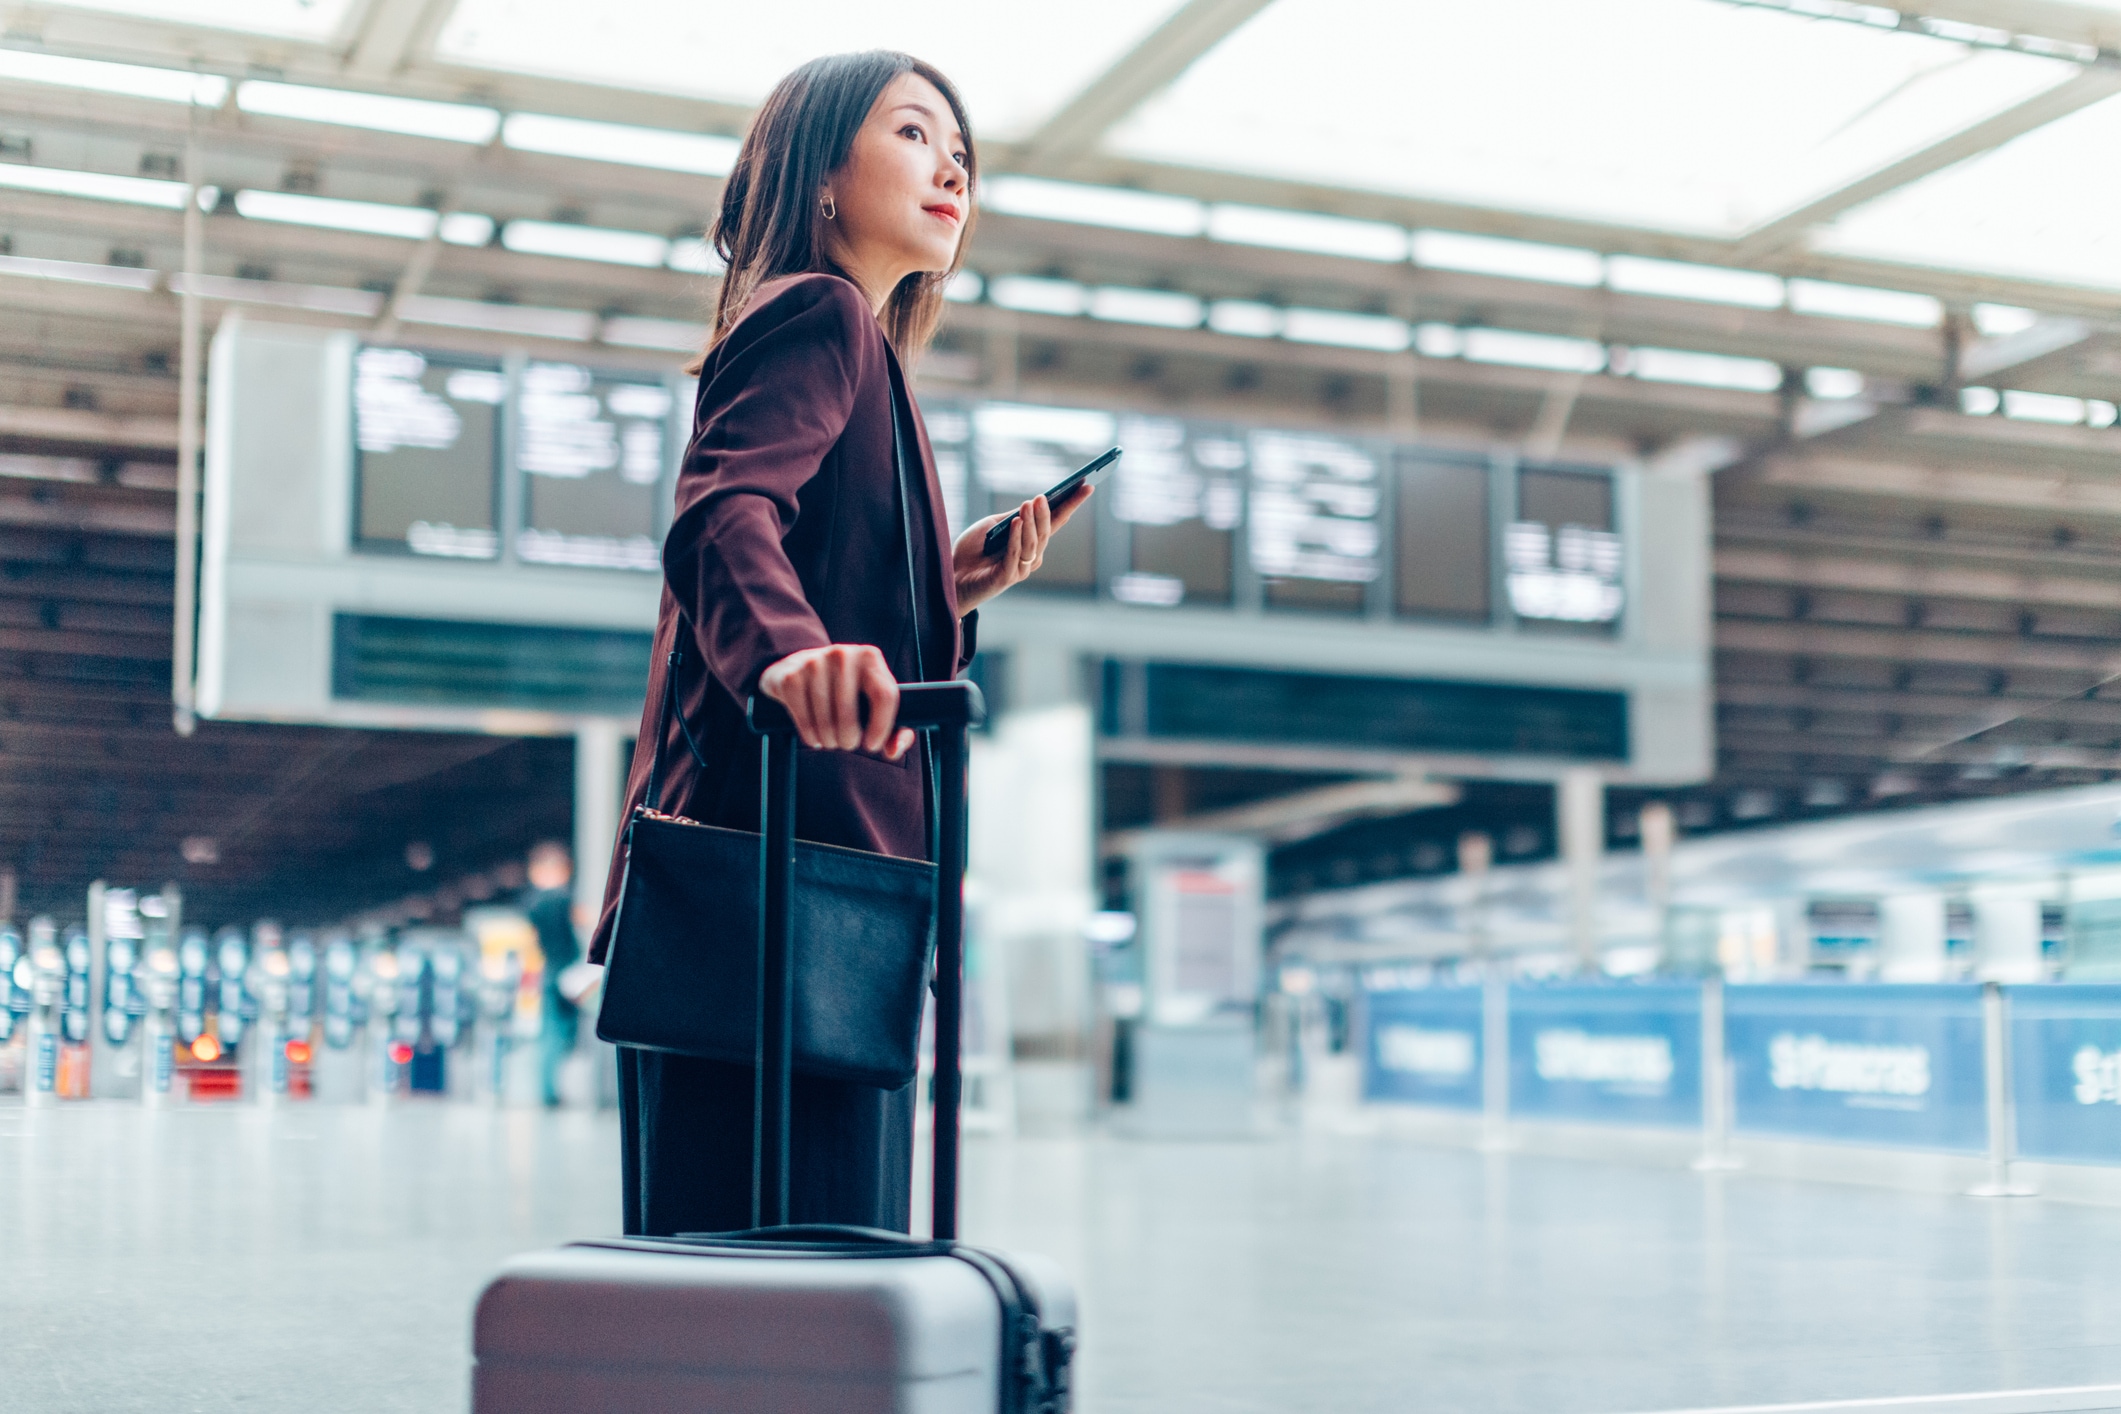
point(2042, 407)
point(1163, 308)
point(1713, 284)
point(2037, 208)
point(293, 19)
point(1116, 207)
point(570, 242)
point(1016, 65)
point(1979, 402)
point(1672, 115)
point(1352, 331)
point(1305, 230)
point(131, 80)
point(415, 117)
point(702, 153)
point(1037, 296)
point(1861, 302)
point(97, 186)
point(1521, 350)
point(1516, 260)
point(1704, 370)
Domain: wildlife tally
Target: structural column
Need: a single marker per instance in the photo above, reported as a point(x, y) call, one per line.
point(597, 786)
point(2007, 934)
point(1911, 938)
point(1580, 806)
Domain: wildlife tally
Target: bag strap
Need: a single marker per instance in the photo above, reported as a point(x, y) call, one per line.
point(913, 612)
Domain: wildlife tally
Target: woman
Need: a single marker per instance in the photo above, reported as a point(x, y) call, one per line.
point(785, 574)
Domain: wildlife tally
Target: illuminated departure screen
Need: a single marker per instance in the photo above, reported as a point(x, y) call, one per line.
point(593, 453)
point(1440, 554)
point(1563, 555)
point(950, 438)
point(1313, 520)
point(1180, 492)
point(426, 444)
point(1020, 451)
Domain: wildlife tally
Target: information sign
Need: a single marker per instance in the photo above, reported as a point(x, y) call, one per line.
point(1421, 1046)
point(2066, 1071)
point(1625, 1053)
point(1867, 1063)
point(1313, 524)
point(426, 440)
point(592, 450)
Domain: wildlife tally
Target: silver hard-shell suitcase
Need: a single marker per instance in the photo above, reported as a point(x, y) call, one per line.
point(796, 1320)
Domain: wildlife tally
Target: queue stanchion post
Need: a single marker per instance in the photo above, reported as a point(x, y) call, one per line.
point(1718, 1085)
point(1995, 1056)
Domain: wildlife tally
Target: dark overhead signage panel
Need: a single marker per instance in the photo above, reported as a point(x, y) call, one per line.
point(426, 453)
point(594, 455)
point(443, 662)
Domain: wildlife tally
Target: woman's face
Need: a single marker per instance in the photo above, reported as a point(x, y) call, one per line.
point(901, 199)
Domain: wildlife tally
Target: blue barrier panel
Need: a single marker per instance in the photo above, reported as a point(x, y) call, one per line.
point(1422, 1046)
point(2066, 1071)
point(1872, 1064)
point(1619, 1053)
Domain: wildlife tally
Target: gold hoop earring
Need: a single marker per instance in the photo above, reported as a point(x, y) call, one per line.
point(831, 210)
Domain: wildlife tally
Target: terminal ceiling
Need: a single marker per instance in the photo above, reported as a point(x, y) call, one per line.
point(1863, 263)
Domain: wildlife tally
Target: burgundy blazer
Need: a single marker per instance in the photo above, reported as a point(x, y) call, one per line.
point(788, 535)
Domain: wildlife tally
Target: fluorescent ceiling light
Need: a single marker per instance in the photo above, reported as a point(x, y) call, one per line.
point(693, 256)
point(965, 287)
point(131, 80)
point(1353, 331)
point(2100, 413)
point(1036, 296)
point(467, 228)
point(1305, 230)
point(294, 19)
point(1995, 320)
point(2042, 407)
point(1516, 260)
point(1095, 206)
point(327, 299)
point(78, 272)
point(1673, 279)
point(1244, 318)
point(411, 223)
point(1563, 355)
point(1159, 307)
point(637, 248)
point(1978, 402)
point(633, 332)
point(1862, 302)
point(1027, 422)
point(1704, 370)
point(573, 324)
point(97, 186)
point(1439, 340)
point(416, 117)
point(701, 153)
point(1833, 384)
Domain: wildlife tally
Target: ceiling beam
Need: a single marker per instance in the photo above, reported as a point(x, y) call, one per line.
point(1169, 50)
point(391, 33)
point(1759, 564)
point(2088, 86)
point(2019, 487)
point(2103, 711)
point(1916, 646)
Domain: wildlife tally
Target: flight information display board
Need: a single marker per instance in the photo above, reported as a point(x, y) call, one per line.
point(1314, 527)
point(1019, 451)
point(1563, 554)
point(593, 452)
point(1181, 491)
point(426, 453)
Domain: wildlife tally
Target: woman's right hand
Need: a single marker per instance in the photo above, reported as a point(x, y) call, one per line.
point(823, 689)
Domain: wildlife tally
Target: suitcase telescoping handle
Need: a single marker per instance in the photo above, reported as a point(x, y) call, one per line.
point(945, 712)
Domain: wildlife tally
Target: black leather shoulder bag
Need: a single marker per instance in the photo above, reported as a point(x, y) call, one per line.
point(681, 974)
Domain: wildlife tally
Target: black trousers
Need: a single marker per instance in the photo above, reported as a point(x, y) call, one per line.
point(685, 1124)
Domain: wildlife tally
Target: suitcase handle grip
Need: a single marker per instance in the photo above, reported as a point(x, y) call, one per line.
point(923, 706)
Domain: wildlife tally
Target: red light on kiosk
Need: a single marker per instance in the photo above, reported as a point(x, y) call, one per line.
point(400, 1053)
point(298, 1052)
point(206, 1048)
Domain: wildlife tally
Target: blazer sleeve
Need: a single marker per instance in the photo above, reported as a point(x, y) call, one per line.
point(776, 402)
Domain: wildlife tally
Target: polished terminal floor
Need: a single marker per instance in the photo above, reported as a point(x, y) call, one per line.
point(228, 1258)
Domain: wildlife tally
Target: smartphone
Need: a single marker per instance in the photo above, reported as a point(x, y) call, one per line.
point(998, 534)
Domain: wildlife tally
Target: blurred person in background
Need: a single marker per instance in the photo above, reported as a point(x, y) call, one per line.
point(550, 907)
point(785, 572)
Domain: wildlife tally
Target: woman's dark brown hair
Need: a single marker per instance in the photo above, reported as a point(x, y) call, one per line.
point(772, 221)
